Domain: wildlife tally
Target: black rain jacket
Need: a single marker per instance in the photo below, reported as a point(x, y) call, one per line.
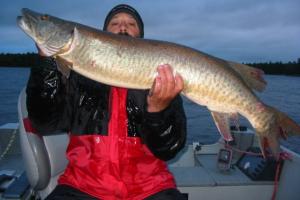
point(81, 106)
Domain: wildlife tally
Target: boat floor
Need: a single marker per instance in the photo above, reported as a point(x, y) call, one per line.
point(199, 176)
point(208, 174)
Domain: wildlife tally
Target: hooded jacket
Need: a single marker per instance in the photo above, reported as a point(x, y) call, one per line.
point(117, 149)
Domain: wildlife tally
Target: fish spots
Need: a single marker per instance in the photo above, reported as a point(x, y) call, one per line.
point(260, 107)
point(120, 50)
point(93, 63)
point(119, 54)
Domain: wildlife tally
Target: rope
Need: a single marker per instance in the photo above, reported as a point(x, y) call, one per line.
point(239, 150)
point(9, 145)
point(283, 156)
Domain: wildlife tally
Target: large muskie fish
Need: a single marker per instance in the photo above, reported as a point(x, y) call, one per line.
point(224, 87)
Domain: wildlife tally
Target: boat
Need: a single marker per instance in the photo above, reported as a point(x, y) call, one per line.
point(30, 165)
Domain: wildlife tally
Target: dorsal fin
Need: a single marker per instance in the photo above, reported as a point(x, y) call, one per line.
point(252, 76)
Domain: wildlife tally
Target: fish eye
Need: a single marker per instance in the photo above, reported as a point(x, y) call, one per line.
point(45, 17)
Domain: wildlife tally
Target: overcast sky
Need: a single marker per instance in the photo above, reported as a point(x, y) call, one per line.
point(239, 30)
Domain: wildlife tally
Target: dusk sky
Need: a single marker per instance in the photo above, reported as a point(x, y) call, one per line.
point(238, 30)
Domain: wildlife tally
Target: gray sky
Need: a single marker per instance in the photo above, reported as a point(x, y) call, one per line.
point(239, 30)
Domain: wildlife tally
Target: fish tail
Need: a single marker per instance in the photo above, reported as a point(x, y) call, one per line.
point(289, 126)
point(277, 125)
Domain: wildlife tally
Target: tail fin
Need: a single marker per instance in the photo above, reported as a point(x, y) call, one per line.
point(288, 127)
point(281, 126)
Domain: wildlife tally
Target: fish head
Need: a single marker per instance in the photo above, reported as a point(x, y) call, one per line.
point(51, 34)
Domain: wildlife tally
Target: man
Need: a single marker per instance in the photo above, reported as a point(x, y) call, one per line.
point(119, 138)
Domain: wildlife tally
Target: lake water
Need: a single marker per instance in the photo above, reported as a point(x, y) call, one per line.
point(282, 92)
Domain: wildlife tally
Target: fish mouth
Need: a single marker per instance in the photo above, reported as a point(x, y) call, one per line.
point(20, 21)
point(27, 22)
point(24, 24)
point(32, 15)
point(27, 19)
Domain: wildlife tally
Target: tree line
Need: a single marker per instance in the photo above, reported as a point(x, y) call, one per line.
point(279, 68)
point(18, 60)
point(276, 68)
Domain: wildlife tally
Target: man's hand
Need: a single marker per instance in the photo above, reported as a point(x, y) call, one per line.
point(165, 87)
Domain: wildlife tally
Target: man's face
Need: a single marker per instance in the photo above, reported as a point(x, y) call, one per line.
point(123, 24)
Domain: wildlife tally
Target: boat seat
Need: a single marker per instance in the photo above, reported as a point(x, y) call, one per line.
point(44, 156)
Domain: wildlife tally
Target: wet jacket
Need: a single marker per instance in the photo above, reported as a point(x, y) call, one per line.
point(117, 149)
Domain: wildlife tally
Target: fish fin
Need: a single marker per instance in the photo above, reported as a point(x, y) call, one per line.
point(274, 146)
point(263, 144)
point(63, 66)
point(235, 119)
point(222, 121)
point(252, 76)
point(282, 126)
point(286, 126)
point(269, 144)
